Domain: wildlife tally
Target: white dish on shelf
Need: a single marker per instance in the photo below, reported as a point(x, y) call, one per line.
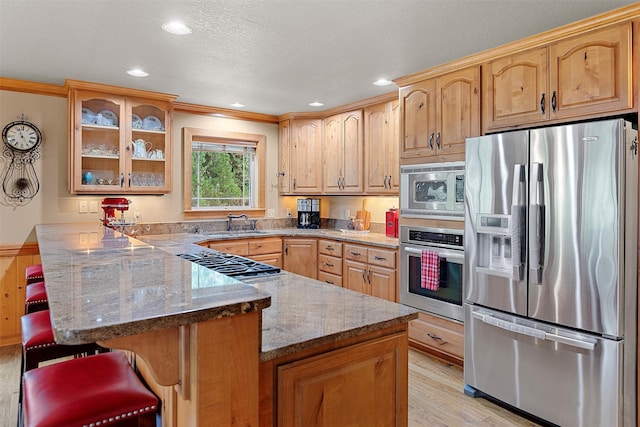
point(136, 121)
point(88, 117)
point(108, 118)
point(152, 123)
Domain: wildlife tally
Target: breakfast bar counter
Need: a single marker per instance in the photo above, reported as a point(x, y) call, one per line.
point(137, 295)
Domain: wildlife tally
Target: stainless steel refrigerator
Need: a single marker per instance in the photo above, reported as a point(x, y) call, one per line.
point(550, 271)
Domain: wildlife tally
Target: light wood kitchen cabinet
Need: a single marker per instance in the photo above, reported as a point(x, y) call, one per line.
point(330, 262)
point(343, 153)
point(371, 271)
point(363, 384)
point(579, 77)
point(267, 250)
point(120, 140)
point(300, 157)
point(439, 114)
point(381, 148)
point(438, 336)
point(301, 256)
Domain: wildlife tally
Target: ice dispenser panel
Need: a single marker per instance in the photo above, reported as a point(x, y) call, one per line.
point(498, 250)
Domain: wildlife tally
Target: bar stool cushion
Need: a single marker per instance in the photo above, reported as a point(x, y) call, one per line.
point(36, 299)
point(33, 273)
point(91, 391)
point(38, 343)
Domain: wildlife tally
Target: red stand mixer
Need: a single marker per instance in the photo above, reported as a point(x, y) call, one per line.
point(110, 205)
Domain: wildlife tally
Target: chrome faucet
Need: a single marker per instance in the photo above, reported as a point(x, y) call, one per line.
point(232, 217)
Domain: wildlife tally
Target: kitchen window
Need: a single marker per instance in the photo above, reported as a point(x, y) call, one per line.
point(224, 172)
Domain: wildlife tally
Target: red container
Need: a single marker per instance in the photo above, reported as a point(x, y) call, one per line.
point(392, 222)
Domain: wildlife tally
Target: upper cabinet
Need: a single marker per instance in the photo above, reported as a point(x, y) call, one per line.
point(579, 77)
point(300, 147)
point(120, 140)
point(381, 148)
point(342, 153)
point(438, 114)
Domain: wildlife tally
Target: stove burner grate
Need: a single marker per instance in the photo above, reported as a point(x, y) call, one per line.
point(230, 265)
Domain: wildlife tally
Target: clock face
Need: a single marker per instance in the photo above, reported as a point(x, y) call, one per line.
point(21, 136)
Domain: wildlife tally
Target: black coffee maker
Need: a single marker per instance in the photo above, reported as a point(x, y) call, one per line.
point(308, 213)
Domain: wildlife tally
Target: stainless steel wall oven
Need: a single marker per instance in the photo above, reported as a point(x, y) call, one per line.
point(444, 299)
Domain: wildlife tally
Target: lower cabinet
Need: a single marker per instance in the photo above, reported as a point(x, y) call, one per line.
point(438, 336)
point(330, 262)
point(301, 257)
point(361, 381)
point(267, 250)
point(370, 271)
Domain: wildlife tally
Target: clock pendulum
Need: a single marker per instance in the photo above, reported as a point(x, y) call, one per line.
point(21, 149)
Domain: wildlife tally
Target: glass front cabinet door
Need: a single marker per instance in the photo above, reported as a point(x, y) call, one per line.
point(120, 140)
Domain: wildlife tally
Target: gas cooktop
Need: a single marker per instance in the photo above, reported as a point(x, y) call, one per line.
point(230, 265)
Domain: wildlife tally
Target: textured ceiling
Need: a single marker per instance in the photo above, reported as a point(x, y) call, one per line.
point(273, 56)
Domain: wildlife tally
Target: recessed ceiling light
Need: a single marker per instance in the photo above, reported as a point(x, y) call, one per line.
point(137, 72)
point(316, 104)
point(237, 105)
point(176, 27)
point(382, 82)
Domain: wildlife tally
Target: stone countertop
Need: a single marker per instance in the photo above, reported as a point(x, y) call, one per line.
point(348, 236)
point(304, 312)
point(102, 284)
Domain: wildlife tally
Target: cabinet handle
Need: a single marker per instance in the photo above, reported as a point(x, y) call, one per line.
point(121, 180)
point(286, 249)
point(129, 179)
point(389, 181)
point(438, 140)
point(553, 100)
point(369, 276)
point(338, 183)
point(384, 181)
point(436, 338)
point(329, 282)
point(328, 265)
point(329, 248)
point(431, 141)
point(364, 276)
point(294, 183)
point(380, 258)
point(356, 253)
point(542, 103)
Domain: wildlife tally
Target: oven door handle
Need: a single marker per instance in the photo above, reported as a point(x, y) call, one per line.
point(448, 255)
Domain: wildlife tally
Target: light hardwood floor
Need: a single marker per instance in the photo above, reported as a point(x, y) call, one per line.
point(435, 395)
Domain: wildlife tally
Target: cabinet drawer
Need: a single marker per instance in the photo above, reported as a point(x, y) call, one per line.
point(233, 248)
point(265, 246)
point(330, 264)
point(329, 247)
point(439, 334)
point(332, 279)
point(356, 253)
point(382, 257)
point(271, 259)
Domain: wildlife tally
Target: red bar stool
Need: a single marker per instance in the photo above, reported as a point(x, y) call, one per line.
point(38, 344)
point(36, 298)
point(100, 390)
point(33, 273)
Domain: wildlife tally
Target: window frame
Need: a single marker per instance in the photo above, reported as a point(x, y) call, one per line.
point(189, 135)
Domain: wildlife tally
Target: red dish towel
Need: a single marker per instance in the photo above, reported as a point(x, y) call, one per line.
point(430, 277)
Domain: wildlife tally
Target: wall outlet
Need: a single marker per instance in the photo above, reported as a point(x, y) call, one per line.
point(93, 206)
point(271, 213)
point(347, 213)
point(289, 212)
point(83, 206)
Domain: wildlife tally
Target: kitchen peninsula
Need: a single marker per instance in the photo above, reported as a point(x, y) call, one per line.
point(293, 351)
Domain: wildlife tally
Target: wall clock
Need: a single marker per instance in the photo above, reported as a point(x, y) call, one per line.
point(21, 149)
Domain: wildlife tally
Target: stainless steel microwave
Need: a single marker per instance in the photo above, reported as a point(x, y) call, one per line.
point(433, 190)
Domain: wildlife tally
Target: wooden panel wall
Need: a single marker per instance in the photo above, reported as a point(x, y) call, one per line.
point(13, 261)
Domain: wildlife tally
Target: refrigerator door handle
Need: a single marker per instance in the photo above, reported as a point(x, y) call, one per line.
point(518, 221)
point(509, 326)
point(536, 224)
point(587, 345)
